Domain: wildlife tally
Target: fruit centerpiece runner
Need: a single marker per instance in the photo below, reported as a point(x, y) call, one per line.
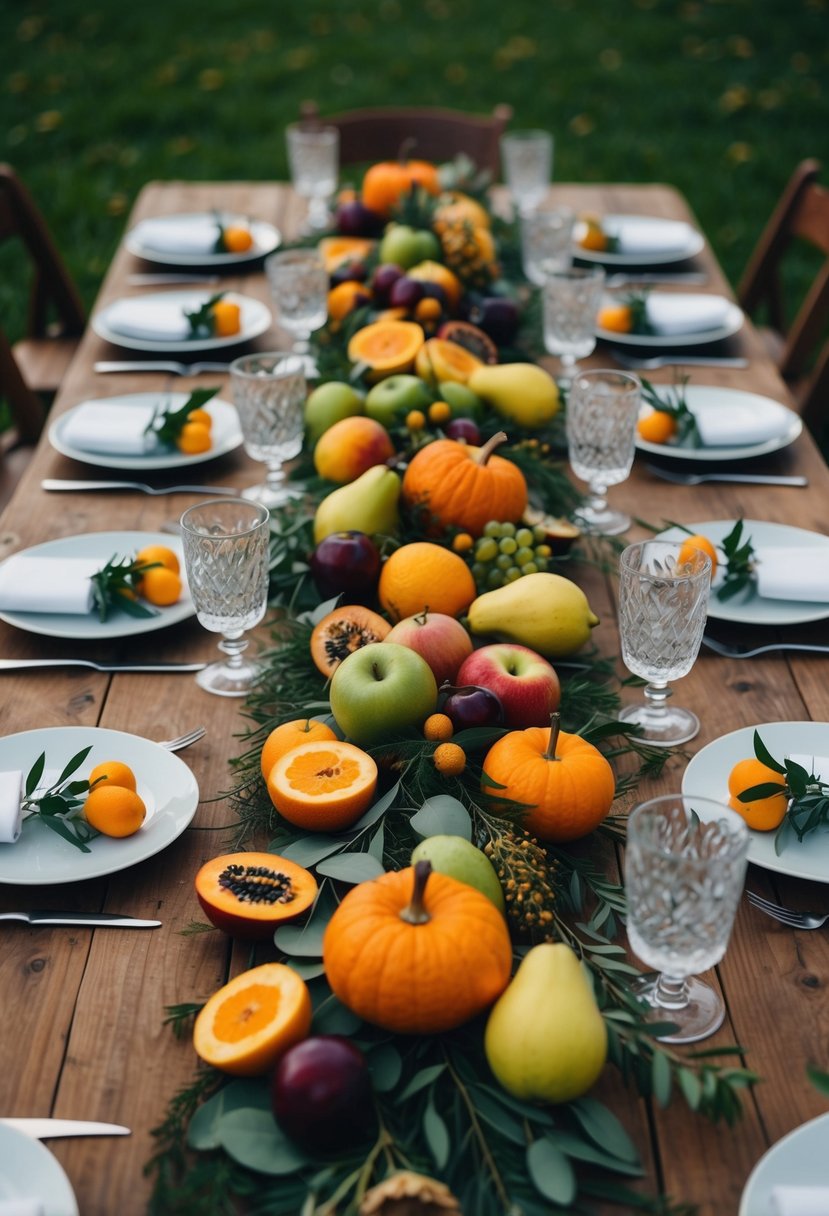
point(433, 733)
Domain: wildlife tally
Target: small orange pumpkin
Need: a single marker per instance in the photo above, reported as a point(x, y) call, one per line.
point(417, 952)
point(464, 487)
point(565, 782)
point(385, 183)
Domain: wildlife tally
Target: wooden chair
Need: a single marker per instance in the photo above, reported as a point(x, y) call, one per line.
point(801, 215)
point(432, 134)
point(37, 363)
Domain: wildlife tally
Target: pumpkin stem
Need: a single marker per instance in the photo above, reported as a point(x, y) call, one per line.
point(415, 913)
point(555, 727)
point(489, 447)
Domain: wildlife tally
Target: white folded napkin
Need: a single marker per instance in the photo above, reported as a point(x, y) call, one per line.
point(800, 1200)
point(685, 314)
point(48, 584)
point(793, 574)
point(181, 234)
point(649, 236)
point(151, 319)
point(21, 1207)
point(11, 811)
point(109, 427)
point(736, 425)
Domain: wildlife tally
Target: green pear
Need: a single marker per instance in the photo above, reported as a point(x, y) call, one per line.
point(368, 505)
point(330, 403)
point(459, 858)
point(462, 401)
point(522, 392)
point(546, 612)
point(545, 1038)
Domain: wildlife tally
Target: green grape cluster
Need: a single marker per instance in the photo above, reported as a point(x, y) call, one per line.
point(505, 552)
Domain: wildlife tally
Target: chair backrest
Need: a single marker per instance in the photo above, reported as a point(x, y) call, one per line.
point(801, 214)
point(51, 284)
point(428, 134)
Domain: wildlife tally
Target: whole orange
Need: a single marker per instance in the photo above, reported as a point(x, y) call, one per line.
point(152, 554)
point(114, 810)
point(763, 814)
point(656, 427)
point(421, 575)
point(161, 586)
point(113, 772)
point(698, 542)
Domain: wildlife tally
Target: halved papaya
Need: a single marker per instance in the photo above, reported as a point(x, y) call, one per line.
point(386, 347)
point(343, 631)
point(249, 894)
point(440, 360)
point(335, 250)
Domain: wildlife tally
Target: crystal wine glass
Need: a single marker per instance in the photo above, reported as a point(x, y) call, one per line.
point(601, 416)
point(226, 550)
point(546, 243)
point(685, 861)
point(299, 287)
point(269, 391)
point(527, 159)
point(313, 157)
point(570, 300)
point(662, 610)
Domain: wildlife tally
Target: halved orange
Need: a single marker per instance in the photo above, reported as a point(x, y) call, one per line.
point(324, 787)
point(289, 735)
point(249, 1023)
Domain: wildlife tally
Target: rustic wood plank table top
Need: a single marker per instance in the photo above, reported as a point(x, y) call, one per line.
point(82, 1025)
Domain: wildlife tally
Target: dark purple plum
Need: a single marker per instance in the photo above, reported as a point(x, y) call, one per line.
point(406, 293)
point(472, 705)
point(464, 430)
point(383, 279)
point(349, 272)
point(321, 1093)
point(346, 563)
point(356, 219)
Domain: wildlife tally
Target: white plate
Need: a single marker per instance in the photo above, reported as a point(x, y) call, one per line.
point(266, 238)
point(733, 322)
point(748, 608)
point(707, 776)
point(167, 786)
point(29, 1171)
point(226, 434)
point(799, 1159)
point(704, 395)
point(118, 625)
point(694, 243)
point(255, 319)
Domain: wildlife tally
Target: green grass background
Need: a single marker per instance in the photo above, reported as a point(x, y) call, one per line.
point(719, 97)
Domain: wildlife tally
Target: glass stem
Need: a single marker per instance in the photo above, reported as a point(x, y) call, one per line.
point(671, 992)
point(275, 476)
point(568, 366)
point(656, 698)
point(233, 647)
point(302, 345)
point(317, 212)
point(598, 497)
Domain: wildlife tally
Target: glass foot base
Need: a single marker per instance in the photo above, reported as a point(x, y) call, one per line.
point(272, 496)
point(700, 1015)
point(609, 523)
point(226, 681)
point(662, 727)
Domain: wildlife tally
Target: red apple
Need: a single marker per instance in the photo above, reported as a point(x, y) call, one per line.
point(525, 683)
point(439, 639)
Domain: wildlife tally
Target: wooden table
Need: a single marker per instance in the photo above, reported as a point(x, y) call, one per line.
point(82, 1023)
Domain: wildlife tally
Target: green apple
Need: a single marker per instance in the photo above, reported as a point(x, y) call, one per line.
point(380, 690)
point(405, 246)
point(462, 401)
point(389, 401)
point(330, 403)
point(460, 859)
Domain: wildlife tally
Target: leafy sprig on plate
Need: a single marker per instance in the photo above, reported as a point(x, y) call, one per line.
point(117, 585)
point(739, 562)
point(59, 805)
point(201, 319)
point(671, 401)
point(808, 794)
point(167, 424)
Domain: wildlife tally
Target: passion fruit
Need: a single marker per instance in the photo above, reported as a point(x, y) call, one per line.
point(343, 631)
point(471, 338)
point(249, 894)
point(559, 533)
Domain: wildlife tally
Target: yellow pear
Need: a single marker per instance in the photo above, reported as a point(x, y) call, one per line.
point(368, 504)
point(523, 392)
point(545, 1038)
point(546, 612)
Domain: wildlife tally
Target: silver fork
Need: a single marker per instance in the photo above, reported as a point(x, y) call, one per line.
point(786, 916)
point(683, 276)
point(752, 479)
point(655, 361)
point(60, 483)
point(742, 652)
point(192, 736)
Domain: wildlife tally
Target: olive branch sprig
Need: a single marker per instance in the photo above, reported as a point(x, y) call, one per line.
point(201, 319)
point(116, 584)
point(807, 794)
point(167, 424)
point(59, 804)
point(672, 402)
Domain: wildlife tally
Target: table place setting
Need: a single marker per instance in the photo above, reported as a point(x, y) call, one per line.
point(668, 319)
point(32, 1181)
point(635, 240)
point(202, 239)
point(728, 424)
point(182, 321)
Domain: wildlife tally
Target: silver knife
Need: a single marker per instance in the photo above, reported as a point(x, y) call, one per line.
point(144, 365)
point(151, 280)
point(47, 1129)
point(125, 665)
point(112, 920)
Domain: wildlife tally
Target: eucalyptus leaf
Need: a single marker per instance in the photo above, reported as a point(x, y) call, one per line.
point(252, 1138)
point(351, 867)
point(437, 1135)
point(376, 811)
point(661, 1077)
point(305, 941)
point(534, 1114)
point(691, 1087)
point(583, 1150)
point(420, 1080)
point(385, 1066)
point(442, 815)
point(332, 1017)
point(604, 1129)
point(498, 1117)
point(203, 1131)
point(308, 850)
point(306, 971)
point(376, 845)
point(551, 1172)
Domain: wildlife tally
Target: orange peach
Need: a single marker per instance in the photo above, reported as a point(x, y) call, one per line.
point(351, 446)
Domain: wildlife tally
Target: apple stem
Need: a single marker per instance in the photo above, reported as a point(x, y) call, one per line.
point(375, 671)
point(555, 727)
point(489, 447)
point(415, 913)
point(423, 617)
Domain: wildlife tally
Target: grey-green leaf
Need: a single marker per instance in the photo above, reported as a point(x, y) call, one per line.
point(376, 811)
point(252, 1138)
point(551, 1172)
point(385, 1066)
point(442, 815)
point(661, 1077)
point(437, 1136)
point(420, 1080)
point(333, 1017)
point(308, 850)
point(351, 867)
point(604, 1129)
